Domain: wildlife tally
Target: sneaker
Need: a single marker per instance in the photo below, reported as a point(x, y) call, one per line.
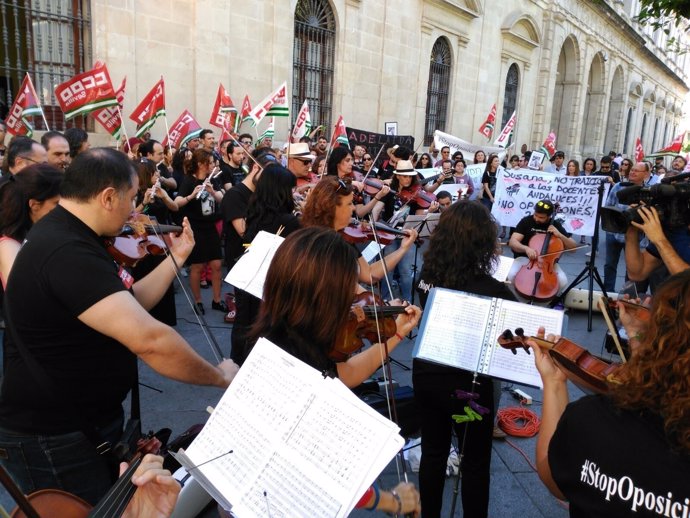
point(199, 308)
point(220, 306)
point(499, 434)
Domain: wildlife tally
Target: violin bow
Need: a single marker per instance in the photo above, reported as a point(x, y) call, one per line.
point(604, 308)
point(247, 153)
point(203, 325)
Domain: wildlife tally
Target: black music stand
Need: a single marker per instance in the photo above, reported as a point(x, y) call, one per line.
point(424, 225)
point(590, 271)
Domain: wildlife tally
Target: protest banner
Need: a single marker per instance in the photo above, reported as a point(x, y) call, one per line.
point(372, 141)
point(468, 149)
point(474, 171)
point(518, 190)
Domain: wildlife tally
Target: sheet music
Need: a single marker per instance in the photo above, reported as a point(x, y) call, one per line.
point(452, 331)
point(511, 315)
point(307, 442)
point(371, 251)
point(503, 268)
point(249, 273)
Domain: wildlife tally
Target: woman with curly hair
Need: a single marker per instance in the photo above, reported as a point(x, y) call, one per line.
point(330, 205)
point(627, 453)
point(461, 256)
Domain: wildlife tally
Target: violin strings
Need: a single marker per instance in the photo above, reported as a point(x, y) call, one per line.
point(119, 496)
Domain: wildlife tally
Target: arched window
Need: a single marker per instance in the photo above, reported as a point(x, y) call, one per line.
point(627, 130)
point(437, 90)
point(644, 128)
point(313, 60)
point(510, 95)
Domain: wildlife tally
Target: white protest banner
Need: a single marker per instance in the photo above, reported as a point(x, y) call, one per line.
point(518, 190)
point(468, 149)
point(475, 172)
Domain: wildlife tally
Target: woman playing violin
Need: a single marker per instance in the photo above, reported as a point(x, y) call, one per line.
point(626, 454)
point(409, 200)
point(314, 271)
point(462, 253)
point(340, 164)
point(330, 205)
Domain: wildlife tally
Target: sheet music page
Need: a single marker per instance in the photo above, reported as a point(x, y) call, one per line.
point(503, 268)
point(511, 315)
point(371, 251)
point(452, 330)
point(300, 447)
point(249, 273)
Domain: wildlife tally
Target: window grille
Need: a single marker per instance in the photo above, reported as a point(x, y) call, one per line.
point(437, 90)
point(49, 39)
point(313, 60)
point(510, 95)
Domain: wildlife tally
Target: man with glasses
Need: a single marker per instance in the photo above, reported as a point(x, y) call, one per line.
point(299, 162)
point(445, 155)
point(24, 152)
point(606, 169)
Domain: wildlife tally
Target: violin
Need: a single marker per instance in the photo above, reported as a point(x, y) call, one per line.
point(361, 233)
point(139, 237)
point(48, 503)
point(369, 319)
point(418, 195)
point(590, 373)
point(538, 280)
point(373, 186)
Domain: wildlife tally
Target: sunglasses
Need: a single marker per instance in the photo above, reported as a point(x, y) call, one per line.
point(367, 158)
point(304, 161)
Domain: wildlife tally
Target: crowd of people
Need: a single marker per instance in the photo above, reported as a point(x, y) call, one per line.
point(59, 198)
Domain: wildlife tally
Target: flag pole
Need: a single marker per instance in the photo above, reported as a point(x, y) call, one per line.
point(122, 125)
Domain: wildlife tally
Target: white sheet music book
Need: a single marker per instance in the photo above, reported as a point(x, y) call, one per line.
point(503, 268)
point(249, 273)
point(287, 442)
point(461, 329)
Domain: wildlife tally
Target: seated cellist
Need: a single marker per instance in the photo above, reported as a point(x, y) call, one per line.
point(527, 228)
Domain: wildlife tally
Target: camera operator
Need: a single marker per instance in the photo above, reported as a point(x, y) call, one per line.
point(669, 248)
point(639, 174)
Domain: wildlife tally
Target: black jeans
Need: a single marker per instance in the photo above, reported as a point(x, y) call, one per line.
point(433, 386)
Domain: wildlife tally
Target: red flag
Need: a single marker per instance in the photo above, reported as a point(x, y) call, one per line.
point(340, 134)
point(674, 148)
point(149, 109)
point(639, 152)
point(549, 146)
point(246, 109)
point(487, 129)
point(111, 118)
point(224, 113)
point(184, 129)
point(25, 105)
point(86, 92)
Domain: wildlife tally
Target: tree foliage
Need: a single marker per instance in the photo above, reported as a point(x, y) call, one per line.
point(664, 15)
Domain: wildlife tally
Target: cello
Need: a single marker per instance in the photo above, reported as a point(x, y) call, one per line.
point(538, 280)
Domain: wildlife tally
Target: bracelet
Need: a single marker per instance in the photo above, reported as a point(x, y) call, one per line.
point(399, 336)
point(377, 496)
point(397, 498)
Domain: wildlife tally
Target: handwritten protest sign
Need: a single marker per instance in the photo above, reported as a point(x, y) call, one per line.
point(468, 149)
point(518, 190)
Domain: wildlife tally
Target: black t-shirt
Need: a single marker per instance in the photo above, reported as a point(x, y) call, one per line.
point(61, 271)
point(490, 179)
point(202, 212)
point(528, 228)
point(229, 174)
point(234, 206)
point(598, 450)
point(484, 285)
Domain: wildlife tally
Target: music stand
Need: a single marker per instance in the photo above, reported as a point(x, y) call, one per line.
point(424, 225)
point(590, 271)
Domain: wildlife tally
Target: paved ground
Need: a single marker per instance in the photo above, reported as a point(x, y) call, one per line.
point(516, 489)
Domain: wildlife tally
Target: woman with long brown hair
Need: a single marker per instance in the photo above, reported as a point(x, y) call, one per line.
point(315, 270)
point(626, 453)
point(330, 205)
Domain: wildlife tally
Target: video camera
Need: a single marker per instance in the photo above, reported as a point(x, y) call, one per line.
point(670, 198)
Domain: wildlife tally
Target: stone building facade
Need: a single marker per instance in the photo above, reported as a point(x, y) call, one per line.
point(582, 68)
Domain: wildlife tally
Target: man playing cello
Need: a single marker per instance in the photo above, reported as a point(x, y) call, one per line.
point(527, 228)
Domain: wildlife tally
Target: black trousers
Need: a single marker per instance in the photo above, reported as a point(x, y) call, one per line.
point(434, 386)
